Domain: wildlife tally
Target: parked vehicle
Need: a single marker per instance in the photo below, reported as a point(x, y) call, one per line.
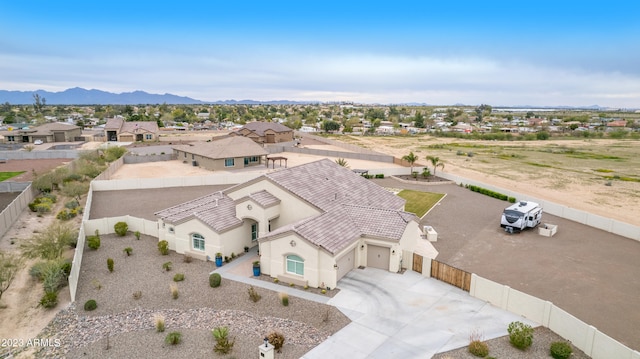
point(38, 142)
point(520, 216)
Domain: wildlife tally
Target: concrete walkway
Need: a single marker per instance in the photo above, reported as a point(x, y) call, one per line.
point(393, 315)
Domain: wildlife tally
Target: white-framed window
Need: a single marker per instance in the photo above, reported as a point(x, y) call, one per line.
point(295, 264)
point(148, 136)
point(229, 162)
point(197, 241)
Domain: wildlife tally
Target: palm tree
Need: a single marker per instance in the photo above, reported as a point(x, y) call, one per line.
point(342, 162)
point(435, 161)
point(411, 158)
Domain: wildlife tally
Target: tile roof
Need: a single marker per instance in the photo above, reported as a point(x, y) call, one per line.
point(139, 126)
point(336, 229)
point(264, 198)
point(260, 126)
point(325, 184)
point(216, 210)
point(113, 124)
point(48, 128)
point(229, 147)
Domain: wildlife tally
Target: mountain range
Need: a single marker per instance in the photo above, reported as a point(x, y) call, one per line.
point(80, 96)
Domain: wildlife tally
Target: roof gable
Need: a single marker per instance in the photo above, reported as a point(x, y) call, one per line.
point(259, 127)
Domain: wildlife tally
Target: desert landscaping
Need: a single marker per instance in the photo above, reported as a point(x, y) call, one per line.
point(599, 176)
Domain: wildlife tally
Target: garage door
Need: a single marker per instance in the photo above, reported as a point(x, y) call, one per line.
point(346, 263)
point(378, 257)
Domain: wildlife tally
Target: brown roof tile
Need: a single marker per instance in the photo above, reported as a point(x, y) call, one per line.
point(225, 148)
point(260, 126)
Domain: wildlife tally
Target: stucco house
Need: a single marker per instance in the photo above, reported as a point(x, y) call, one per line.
point(265, 132)
point(117, 129)
point(224, 154)
point(47, 133)
point(313, 223)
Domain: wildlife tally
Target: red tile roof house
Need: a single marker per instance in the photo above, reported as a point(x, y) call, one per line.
point(225, 154)
point(117, 129)
point(313, 223)
point(265, 132)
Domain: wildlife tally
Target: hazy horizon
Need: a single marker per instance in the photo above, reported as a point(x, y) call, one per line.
point(499, 53)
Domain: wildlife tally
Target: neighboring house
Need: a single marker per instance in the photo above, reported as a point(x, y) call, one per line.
point(117, 129)
point(47, 133)
point(313, 224)
point(225, 154)
point(266, 132)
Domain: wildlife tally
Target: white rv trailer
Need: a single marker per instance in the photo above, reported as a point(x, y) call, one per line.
point(520, 216)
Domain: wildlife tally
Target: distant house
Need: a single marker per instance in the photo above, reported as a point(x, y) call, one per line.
point(265, 132)
point(47, 133)
point(225, 154)
point(117, 129)
point(313, 223)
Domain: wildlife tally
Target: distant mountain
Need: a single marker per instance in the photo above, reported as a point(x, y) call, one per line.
point(80, 96)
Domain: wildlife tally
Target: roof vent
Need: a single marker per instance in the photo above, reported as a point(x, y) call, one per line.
point(523, 203)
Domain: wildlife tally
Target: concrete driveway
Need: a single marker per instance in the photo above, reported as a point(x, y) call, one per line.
point(407, 316)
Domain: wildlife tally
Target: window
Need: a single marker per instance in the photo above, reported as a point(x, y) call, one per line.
point(11, 138)
point(229, 162)
point(254, 232)
point(148, 136)
point(253, 159)
point(295, 265)
point(198, 242)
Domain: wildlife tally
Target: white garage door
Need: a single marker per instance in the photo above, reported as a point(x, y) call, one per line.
point(378, 257)
point(346, 263)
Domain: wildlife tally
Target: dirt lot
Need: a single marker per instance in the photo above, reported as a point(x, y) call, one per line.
point(569, 172)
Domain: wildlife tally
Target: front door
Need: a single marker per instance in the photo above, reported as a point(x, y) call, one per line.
point(254, 232)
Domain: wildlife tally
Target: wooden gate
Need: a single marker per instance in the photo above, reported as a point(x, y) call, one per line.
point(417, 263)
point(451, 275)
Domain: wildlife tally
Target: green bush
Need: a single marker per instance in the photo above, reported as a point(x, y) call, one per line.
point(66, 214)
point(128, 251)
point(479, 348)
point(253, 295)
point(163, 247)
point(173, 338)
point(214, 280)
point(512, 200)
point(560, 350)
point(166, 266)
point(110, 264)
point(52, 273)
point(179, 277)
point(93, 242)
point(121, 228)
point(380, 175)
point(137, 234)
point(489, 193)
point(520, 335)
point(223, 344)
point(284, 299)
point(42, 204)
point(90, 305)
point(72, 204)
point(49, 299)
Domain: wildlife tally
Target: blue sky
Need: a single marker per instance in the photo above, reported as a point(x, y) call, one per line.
point(541, 53)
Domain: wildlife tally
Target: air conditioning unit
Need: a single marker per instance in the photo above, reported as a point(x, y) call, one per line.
point(430, 233)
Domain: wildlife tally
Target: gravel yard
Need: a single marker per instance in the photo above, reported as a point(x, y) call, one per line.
point(125, 325)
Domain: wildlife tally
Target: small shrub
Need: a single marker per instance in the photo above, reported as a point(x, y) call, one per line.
point(214, 280)
point(179, 277)
point(93, 242)
point(110, 264)
point(253, 295)
point(49, 300)
point(158, 320)
point(96, 284)
point(128, 251)
point(233, 255)
point(324, 291)
point(174, 291)
point(560, 350)
point(223, 344)
point(306, 287)
point(277, 340)
point(137, 234)
point(291, 284)
point(137, 295)
point(173, 338)
point(163, 247)
point(90, 305)
point(167, 266)
point(226, 259)
point(65, 215)
point(187, 258)
point(512, 200)
point(276, 280)
point(479, 348)
point(426, 172)
point(121, 228)
point(284, 298)
point(520, 335)
point(380, 175)
point(72, 204)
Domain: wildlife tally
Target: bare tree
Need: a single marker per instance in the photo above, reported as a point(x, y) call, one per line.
point(9, 266)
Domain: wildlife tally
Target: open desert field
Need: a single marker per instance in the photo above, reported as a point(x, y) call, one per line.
point(598, 176)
